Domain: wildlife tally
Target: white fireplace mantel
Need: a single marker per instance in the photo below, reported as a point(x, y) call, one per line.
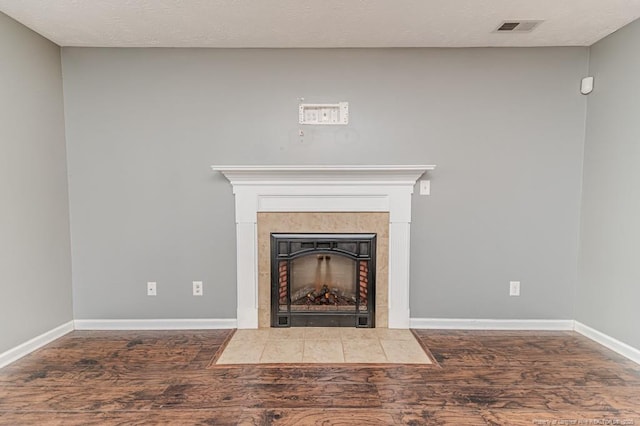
point(323, 189)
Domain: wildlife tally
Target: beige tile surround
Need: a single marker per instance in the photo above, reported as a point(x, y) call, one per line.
point(301, 222)
point(323, 345)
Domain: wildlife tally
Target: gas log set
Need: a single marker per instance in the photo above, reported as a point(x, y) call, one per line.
point(325, 296)
point(321, 293)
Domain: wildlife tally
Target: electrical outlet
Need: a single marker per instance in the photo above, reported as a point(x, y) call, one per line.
point(197, 288)
point(151, 288)
point(514, 288)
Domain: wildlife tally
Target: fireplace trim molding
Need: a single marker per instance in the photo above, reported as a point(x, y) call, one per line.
point(322, 189)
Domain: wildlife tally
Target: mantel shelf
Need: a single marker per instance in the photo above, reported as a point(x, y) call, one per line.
point(323, 174)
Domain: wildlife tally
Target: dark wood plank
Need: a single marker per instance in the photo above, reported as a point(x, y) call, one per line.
point(306, 394)
point(133, 418)
point(251, 417)
point(78, 398)
point(560, 417)
point(331, 416)
point(479, 397)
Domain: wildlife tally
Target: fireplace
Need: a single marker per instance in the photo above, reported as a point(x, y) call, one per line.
point(323, 280)
point(324, 190)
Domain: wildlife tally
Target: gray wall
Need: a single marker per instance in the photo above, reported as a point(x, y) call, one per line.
point(609, 287)
point(504, 126)
point(35, 263)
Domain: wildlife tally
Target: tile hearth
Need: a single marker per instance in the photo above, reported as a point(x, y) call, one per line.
point(323, 345)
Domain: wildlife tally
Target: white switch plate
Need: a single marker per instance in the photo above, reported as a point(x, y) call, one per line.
point(151, 288)
point(514, 288)
point(425, 187)
point(197, 288)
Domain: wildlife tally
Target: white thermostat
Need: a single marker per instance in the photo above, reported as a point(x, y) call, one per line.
point(324, 113)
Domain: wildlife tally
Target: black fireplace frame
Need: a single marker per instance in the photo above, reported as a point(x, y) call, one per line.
point(288, 246)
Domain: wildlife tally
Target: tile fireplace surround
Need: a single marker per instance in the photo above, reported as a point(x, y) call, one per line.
point(323, 199)
point(319, 222)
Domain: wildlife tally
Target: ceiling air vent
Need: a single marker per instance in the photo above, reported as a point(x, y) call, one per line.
point(517, 26)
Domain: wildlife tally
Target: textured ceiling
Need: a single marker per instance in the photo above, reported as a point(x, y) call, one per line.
point(319, 23)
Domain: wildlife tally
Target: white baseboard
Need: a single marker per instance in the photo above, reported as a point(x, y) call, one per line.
point(155, 324)
point(489, 324)
point(614, 344)
point(37, 342)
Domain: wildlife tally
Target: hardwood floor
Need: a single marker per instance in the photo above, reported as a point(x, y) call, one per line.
point(153, 377)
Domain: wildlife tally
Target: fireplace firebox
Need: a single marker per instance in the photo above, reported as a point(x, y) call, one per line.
point(323, 280)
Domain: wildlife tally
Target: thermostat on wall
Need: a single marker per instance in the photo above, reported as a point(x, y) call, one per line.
point(324, 113)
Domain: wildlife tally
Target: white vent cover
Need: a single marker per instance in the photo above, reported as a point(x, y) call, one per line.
point(324, 113)
point(516, 26)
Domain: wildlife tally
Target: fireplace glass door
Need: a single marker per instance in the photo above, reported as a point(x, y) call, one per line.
point(322, 280)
